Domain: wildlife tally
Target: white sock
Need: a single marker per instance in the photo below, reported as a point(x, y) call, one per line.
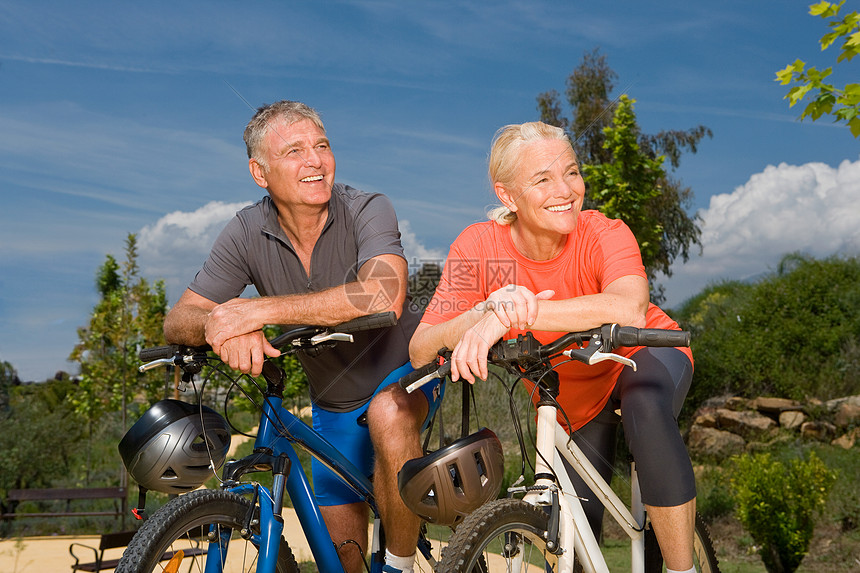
point(405, 564)
point(690, 570)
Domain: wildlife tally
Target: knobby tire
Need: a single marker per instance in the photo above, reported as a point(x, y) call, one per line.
point(478, 544)
point(507, 535)
point(184, 522)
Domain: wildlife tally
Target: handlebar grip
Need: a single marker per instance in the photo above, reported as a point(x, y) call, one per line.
point(631, 336)
point(156, 353)
point(418, 374)
point(369, 322)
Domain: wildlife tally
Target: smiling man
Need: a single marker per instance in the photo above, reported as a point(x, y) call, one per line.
point(319, 253)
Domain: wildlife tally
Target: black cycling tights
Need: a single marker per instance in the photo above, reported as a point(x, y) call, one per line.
point(650, 400)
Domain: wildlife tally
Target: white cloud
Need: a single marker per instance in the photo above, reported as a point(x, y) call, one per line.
point(175, 247)
point(415, 251)
point(810, 208)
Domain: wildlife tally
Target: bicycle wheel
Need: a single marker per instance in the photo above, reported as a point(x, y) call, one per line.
point(176, 537)
point(704, 556)
point(502, 535)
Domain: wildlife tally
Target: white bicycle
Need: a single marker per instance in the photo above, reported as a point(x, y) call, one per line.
point(546, 529)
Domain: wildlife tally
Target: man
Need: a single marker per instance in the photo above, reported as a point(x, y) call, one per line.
point(320, 253)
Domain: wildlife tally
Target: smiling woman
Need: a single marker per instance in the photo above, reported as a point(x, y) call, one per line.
point(546, 267)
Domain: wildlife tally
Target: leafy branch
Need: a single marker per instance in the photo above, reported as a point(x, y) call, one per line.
point(843, 103)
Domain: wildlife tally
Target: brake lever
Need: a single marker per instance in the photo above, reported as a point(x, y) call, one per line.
point(155, 364)
point(331, 337)
point(592, 355)
point(441, 372)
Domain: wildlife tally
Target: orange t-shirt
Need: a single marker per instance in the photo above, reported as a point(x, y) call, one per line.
point(601, 250)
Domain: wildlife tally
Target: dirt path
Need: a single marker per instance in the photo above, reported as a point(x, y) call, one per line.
point(51, 554)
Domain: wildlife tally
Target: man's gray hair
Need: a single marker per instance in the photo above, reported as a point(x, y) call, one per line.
point(269, 114)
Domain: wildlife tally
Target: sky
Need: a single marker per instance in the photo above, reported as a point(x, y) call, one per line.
point(120, 118)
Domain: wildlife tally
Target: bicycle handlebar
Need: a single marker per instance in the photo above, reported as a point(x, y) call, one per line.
point(360, 324)
point(525, 350)
point(613, 336)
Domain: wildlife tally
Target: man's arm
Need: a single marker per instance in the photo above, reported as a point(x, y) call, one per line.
point(234, 329)
point(186, 321)
point(381, 287)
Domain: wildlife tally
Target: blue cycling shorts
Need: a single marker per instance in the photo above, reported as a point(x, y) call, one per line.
point(352, 439)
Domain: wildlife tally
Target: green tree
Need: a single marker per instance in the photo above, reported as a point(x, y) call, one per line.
point(777, 503)
point(128, 316)
point(827, 99)
point(588, 94)
point(625, 186)
point(38, 414)
point(8, 379)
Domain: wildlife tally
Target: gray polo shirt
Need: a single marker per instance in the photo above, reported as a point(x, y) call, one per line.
point(253, 249)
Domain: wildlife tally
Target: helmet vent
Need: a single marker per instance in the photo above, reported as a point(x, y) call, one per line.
point(429, 497)
point(199, 444)
point(479, 461)
point(456, 480)
point(482, 469)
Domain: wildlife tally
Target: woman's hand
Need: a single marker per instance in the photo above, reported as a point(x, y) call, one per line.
point(516, 306)
point(469, 357)
point(509, 307)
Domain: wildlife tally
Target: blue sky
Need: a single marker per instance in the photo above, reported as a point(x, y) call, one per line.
point(119, 118)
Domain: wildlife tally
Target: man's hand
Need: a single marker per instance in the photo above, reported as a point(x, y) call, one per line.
point(247, 352)
point(229, 320)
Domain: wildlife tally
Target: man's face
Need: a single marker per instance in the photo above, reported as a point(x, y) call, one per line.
point(300, 162)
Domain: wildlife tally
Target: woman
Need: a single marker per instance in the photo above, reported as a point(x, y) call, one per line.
point(544, 265)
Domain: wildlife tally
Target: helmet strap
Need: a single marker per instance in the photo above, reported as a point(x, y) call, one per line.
point(140, 511)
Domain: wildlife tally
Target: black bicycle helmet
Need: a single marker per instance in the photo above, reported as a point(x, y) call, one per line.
point(170, 448)
point(447, 485)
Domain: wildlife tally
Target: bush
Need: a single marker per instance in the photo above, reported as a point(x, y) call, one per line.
point(714, 495)
point(793, 333)
point(776, 503)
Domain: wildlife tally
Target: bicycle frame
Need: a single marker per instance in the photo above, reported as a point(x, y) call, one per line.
point(279, 431)
point(552, 443)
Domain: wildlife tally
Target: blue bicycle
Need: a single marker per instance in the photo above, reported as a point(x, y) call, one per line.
point(239, 527)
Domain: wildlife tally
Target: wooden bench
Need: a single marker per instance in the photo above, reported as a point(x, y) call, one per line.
point(106, 542)
point(110, 541)
point(68, 495)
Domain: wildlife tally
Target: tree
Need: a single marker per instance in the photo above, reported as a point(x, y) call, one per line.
point(8, 379)
point(625, 186)
point(588, 91)
point(38, 415)
point(129, 316)
point(844, 103)
point(422, 284)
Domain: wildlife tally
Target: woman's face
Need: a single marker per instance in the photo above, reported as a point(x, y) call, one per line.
point(548, 190)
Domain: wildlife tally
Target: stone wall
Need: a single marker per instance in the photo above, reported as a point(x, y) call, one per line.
point(727, 426)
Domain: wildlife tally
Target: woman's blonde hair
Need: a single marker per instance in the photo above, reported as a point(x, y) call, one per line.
point(505, 155)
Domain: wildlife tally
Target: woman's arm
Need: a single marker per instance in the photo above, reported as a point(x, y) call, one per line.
point(480, 327)
point(471, 334)
point(624, 301)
